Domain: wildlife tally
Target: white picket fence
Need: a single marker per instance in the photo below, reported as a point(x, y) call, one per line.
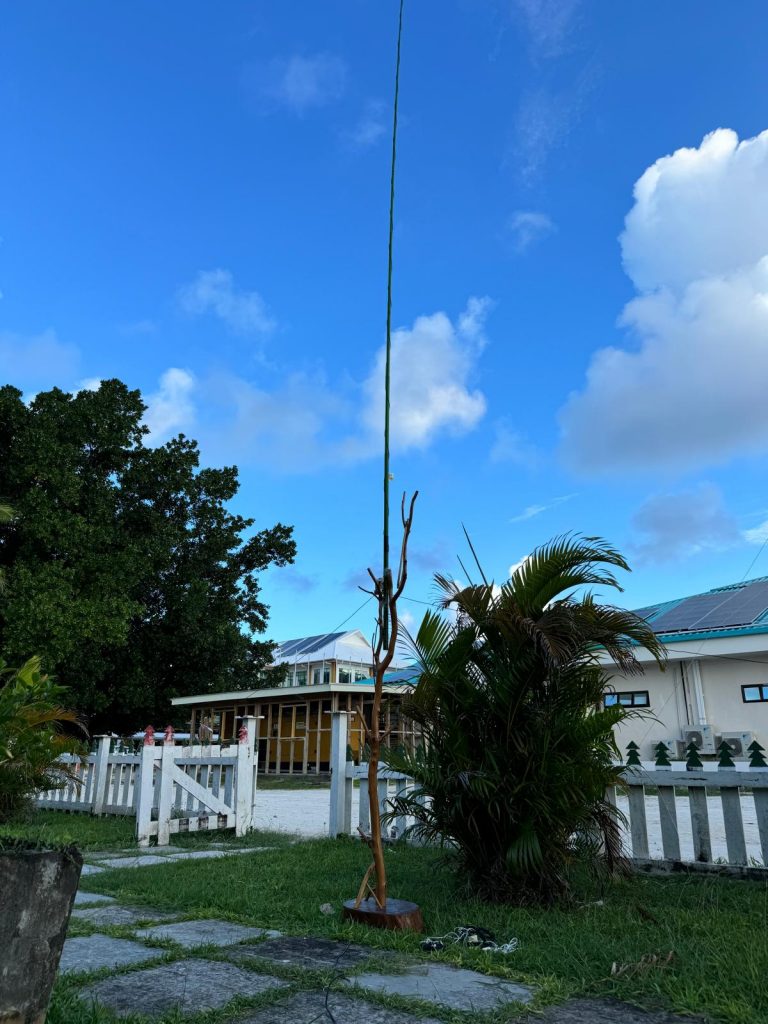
point(167, 787)
point(345, 773)
point(702, 816)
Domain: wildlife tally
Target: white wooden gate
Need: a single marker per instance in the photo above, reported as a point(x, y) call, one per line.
point(190, 789)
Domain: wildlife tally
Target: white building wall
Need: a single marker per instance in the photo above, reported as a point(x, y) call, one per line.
point(674, 704)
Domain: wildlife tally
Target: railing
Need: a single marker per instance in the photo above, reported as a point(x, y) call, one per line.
point(344, 775)
point(168, 788)
point(700, 816)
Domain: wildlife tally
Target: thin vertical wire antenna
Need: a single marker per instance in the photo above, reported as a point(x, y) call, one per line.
point(388, 359)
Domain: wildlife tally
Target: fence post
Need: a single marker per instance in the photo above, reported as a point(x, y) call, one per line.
point(339, 817)
point(166, 789)
point(146, 788)
point(246, 737)
point(101, 769)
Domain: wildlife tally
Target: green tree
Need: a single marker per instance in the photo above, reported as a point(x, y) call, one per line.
point(518, 748)
point(124, 569)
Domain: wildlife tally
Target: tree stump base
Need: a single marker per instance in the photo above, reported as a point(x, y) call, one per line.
point(397, 915)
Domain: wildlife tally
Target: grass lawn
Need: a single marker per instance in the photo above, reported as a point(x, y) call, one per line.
point(716, 928)
point(57, 828)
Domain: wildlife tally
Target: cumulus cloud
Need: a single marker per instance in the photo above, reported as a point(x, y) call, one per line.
point(37, 360)
point(675, 526)
point(298, 582)
point(690, 390)
point(432, 366)
point(306, 421)
point(171, 408)
point(525, 227)
point(297, 82)
point(214, 292)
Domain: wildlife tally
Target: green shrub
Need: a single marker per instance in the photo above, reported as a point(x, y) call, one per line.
point(518, 749)
point(32, 720)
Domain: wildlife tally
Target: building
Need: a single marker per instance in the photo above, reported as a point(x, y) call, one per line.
point(330, 672)
point(715, 685)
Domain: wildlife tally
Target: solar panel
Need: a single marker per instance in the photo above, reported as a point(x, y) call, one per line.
point(718, 610)
point(306, 644)
point(646, 613)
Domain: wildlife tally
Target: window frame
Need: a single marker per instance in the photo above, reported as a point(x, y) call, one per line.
point(618, 694)
point(761, 687)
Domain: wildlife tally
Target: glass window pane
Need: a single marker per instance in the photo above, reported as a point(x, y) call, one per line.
point(625, 699)
point(752, 693)
point(641, 700)
point(611, 699)
point(765, 692)
point(301, 677)
point(345, 676)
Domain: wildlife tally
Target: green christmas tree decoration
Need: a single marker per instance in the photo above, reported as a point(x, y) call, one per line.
point(726, 761)
point(692, 759)
point(662, 755)
point(756, 758)
point(633, 756)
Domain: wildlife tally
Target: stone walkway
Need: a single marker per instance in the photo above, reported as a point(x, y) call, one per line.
point(206, 964)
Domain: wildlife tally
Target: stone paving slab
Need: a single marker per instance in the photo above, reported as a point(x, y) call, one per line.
point(311, 1006)
point(90, 869)
point(196, 855)
point(85, 899)
point(130, 862)
point(606, 1011)
point(119, 915)
point(92, 952)
point(200, 933)
point(187, 985)
point(321, 954)
point(453, 987)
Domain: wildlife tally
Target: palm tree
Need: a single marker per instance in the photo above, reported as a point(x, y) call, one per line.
point(518, 749)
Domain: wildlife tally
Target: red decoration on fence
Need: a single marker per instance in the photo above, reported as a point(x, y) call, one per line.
point(242, 734)
point(149, 736)
point(168, 735)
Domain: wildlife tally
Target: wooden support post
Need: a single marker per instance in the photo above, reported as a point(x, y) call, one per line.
point(638, 825)
point(339, 733)
point(101, 769)
point(702, 845)
point(244, 781)
point(734, 823)
point(146, 790)
point(166, 789)
point(761, 813)
point(670, 836)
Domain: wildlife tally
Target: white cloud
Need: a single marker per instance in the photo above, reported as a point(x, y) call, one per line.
point(37, 360)
point(758, 534)
point(371, 127)
point(691, 391)
point(432, 366)
point(676, 526)
point(518, 565)
point(89, 384)
point(214, 291)
point(528, 226)
point(171, 408)
point(298, 82)
point(549, 23)
point(531, 511)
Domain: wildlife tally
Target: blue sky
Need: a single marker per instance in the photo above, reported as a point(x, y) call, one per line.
point(193, 198)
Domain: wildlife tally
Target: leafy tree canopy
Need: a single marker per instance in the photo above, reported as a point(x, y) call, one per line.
point(123, 568)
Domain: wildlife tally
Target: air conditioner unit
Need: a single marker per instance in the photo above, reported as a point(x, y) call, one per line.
point(702, 735)
point(737, 741)
point(675, 746)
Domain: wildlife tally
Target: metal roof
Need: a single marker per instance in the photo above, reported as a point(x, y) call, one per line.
point(306, 645)
point(739, 608)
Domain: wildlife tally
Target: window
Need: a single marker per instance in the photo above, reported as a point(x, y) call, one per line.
point(754, 694)
point(345, 676)
point(627, 699)
point(301, 677)
point(321, 673)
point(359, 676)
